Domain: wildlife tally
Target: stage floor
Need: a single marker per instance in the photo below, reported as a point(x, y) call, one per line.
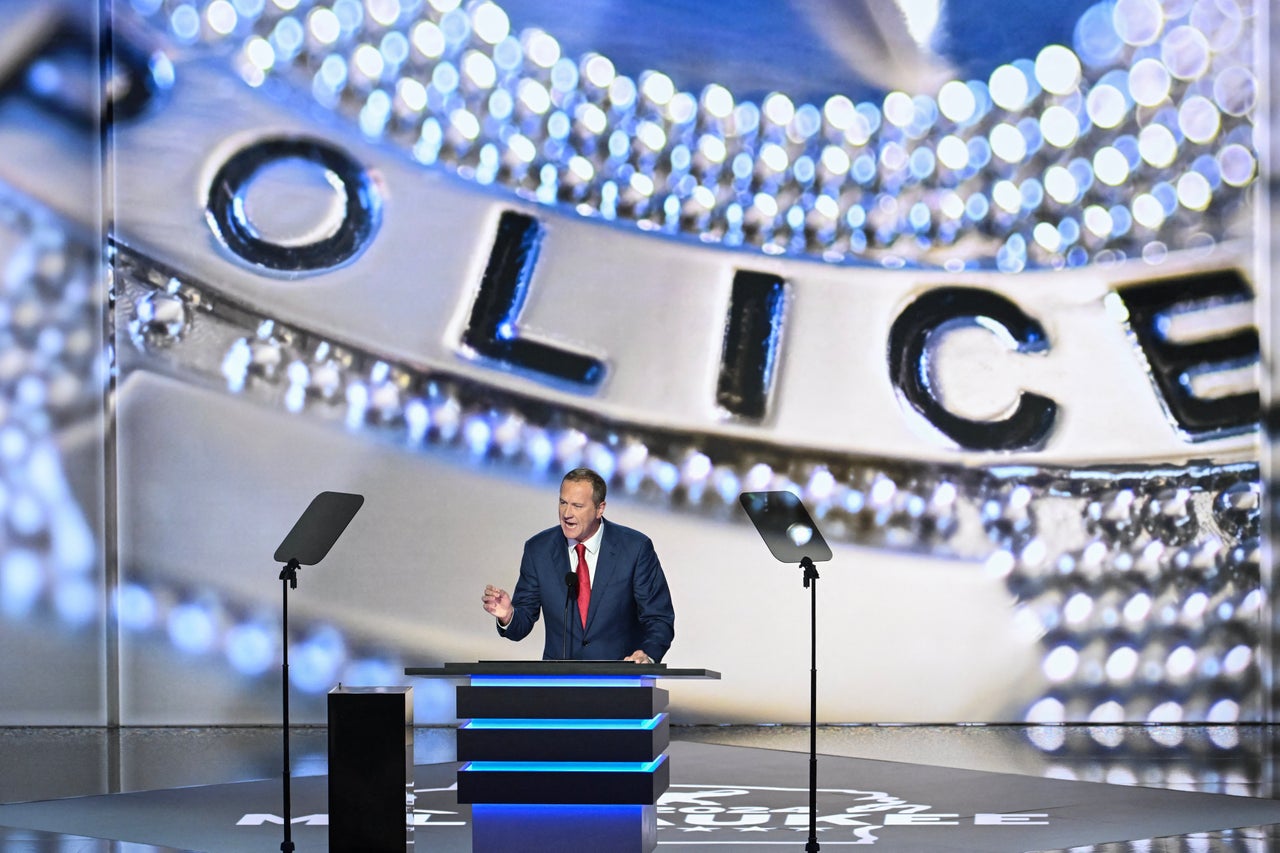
point(895, 788)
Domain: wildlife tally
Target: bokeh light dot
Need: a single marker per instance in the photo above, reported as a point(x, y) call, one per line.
point(1235, 90)
point(1199, 119)
point(1098, 221)
point(1059, 126)
point(956, 101)
point(1157, 145)
point(1185, 52)
point(1237, 164)
point(1148, 211)
point(1008, 87)
point(1106, 106)
point(1111, 166)
point(1095, 40)
point(953, 153)
point(1138, 22)
point(1149, 82)
point(1061, 185)
point(1057, 70)
point(490, 22)
point(1008, 143)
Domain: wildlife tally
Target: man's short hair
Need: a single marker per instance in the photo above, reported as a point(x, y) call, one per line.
point(586, 475)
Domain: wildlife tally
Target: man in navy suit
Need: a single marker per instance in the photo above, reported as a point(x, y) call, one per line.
point(622, 610)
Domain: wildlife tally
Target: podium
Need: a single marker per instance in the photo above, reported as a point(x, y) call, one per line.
point(559, 755)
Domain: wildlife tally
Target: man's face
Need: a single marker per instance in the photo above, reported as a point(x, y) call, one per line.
point(579, 514)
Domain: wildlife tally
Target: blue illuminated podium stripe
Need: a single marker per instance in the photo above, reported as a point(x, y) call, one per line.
point(517, 723)
point(563, 766)
point(564, 782)
point(560, 681)
point(557, 739)
point(535, 699)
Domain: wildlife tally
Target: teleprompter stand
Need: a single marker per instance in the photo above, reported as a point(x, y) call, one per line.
point(312, 536)
point(792, 537)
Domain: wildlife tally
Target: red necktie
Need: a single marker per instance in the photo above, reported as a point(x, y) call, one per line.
point(584, 583)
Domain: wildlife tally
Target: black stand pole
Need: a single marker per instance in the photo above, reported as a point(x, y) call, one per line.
point(312, 536)
point(288, 580)
point(811, 582)
point(789, 531)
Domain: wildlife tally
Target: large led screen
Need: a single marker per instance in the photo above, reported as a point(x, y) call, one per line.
point(978, 284)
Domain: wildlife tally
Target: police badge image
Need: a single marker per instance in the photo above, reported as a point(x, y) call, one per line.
point(983, 295)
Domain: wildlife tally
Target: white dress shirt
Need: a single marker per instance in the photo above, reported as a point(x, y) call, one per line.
point(593, 551)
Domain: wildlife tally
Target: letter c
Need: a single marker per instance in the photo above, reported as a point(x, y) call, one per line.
point(1034, 416)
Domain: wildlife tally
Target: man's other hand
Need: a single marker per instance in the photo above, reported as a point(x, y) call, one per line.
point(498, 604)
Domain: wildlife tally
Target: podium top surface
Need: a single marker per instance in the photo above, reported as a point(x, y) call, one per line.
point(557, 667)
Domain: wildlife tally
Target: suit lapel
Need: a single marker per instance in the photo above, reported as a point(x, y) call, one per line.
point(559, 556)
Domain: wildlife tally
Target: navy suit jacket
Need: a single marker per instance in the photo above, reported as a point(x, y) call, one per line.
point(630, 602)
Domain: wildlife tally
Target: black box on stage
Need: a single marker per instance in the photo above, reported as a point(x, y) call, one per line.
point(370, 769)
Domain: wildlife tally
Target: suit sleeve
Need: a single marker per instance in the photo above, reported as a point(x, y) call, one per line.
point(654, 609)
point(526, 599)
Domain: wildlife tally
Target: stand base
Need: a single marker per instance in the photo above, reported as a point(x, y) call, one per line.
point(557, 828)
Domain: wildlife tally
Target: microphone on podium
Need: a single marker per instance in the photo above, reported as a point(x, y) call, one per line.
point(571, 583)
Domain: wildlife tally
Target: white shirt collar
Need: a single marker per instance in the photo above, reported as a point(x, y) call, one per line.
point(593, 542)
